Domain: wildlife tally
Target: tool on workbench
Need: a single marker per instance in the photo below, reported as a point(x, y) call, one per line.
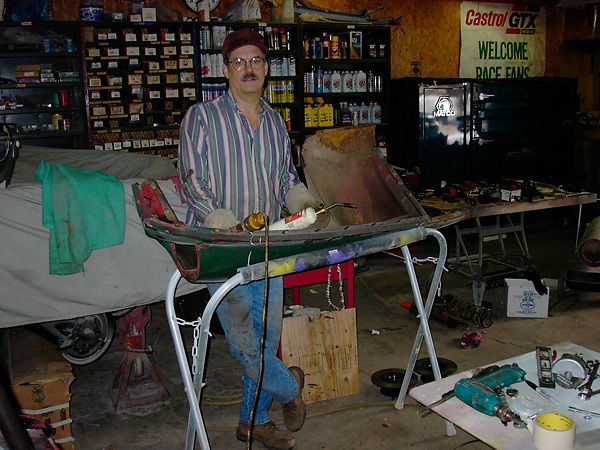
point(570, 371)
point(543, 356)
point(588, 415)
point(542, 392)
point(450, 394)
point(524, 405)
point(585, 391)
point(484, 393)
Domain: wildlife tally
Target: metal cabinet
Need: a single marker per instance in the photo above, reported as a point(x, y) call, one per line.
point(140, 81)
point(41, 87)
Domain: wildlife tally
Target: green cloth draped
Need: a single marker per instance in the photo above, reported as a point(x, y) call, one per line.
point(84, 210)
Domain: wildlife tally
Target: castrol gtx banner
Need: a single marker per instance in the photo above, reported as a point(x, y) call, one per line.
point(502, 41)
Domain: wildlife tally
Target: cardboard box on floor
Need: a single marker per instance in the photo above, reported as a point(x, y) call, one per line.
point(523, 300)
point(40, 379)
point(324, 346)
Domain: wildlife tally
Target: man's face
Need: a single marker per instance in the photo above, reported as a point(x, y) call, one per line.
point(250, 79)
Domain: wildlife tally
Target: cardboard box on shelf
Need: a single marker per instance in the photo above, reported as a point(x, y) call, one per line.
point(40, 381)
point(356, 44)
point(27, 73)
point(28, 67)
point(523, 300)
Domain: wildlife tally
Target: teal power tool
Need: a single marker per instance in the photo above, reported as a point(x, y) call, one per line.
point(484, 393)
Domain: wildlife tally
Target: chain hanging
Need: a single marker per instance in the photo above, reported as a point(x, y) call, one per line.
point(196, 324)
point(432, 260)
point(342, 300)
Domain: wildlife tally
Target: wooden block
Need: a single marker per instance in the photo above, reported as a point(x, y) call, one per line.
point(324, 346)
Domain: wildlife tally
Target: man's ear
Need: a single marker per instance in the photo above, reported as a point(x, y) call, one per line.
point(226, 70)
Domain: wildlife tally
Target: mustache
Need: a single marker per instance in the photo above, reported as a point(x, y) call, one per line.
point(249, 76)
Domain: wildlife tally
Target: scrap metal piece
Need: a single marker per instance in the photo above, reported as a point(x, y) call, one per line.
point(585, 391)
point(341, 166)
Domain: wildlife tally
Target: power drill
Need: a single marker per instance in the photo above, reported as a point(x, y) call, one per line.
point(482, 393)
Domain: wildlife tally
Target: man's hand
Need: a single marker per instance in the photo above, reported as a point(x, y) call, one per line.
point(220, 218)
point(299, 198)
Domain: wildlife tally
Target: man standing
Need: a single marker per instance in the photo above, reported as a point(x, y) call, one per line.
point(235, 160)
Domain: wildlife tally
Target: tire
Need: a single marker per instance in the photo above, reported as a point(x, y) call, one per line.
point(93, 336)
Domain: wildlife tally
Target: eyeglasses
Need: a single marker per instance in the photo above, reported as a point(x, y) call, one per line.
point(239, 64)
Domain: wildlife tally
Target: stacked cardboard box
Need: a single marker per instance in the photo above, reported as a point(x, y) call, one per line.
point(27, 73)
point(41, 378)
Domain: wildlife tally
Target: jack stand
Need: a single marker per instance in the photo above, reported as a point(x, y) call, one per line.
point(136, 361)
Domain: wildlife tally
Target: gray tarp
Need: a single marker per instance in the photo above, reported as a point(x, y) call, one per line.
point(133, 274)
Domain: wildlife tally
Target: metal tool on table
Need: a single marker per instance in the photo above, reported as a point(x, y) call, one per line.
point(543, 357)
point(585, 391)
point(484, 393)
point(450, 394)
point(588, 415)
point(570, 371)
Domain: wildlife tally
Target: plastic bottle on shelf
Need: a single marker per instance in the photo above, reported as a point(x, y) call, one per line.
point(335, 47)
point(337, 115)
point(327, 82)
point(306, 47)
point(344, 48)
point(378, 83)
point(371, 111)
point(290, 91)
point(315, 113)
point(364, 113)
point(360, 83)
point(319, 80)
point(326, 115)
point(347, 82)
point(376, 113)
point(326, 46)
point(307, 115)
point(346, 114)
point(355, 113)
point(336, 82)
point(310, 81)
point(269, 37)
point(370, 82)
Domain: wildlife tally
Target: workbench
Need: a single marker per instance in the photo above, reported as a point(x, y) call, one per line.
point(507, 221)
point(491, 430)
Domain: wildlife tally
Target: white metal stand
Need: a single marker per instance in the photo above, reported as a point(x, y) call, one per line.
point(193, 379)
point(478, 263)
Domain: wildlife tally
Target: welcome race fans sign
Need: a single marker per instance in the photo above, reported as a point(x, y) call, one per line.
point(502, 40)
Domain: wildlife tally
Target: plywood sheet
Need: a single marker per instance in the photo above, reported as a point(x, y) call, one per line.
point(324, 346)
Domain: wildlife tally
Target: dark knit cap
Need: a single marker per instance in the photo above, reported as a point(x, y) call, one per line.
point(239, 38)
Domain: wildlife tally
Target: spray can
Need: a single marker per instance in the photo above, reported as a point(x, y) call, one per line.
point(299, 221)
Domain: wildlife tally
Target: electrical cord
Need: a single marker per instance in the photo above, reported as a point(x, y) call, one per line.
point(263, 334)
point(308, 416)
point(464, 444)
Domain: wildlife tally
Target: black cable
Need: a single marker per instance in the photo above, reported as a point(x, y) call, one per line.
point(466, 443)
point(262, 338)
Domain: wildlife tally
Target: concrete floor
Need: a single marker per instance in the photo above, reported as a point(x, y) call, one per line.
point(367, 420)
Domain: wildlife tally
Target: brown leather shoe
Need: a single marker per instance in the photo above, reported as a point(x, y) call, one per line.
point(294, 412)
point(267, 434)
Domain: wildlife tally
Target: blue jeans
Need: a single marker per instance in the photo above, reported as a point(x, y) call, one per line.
point(240, 314)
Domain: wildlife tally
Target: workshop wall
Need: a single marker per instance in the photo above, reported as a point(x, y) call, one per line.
point(427, 41)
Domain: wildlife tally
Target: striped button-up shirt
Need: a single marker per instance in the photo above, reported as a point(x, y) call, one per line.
point(224, 163)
